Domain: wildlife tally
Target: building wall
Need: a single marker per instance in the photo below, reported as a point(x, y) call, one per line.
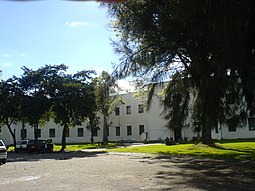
point(154, 126)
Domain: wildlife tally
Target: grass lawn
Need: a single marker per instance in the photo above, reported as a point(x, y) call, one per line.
point(77, 146)
point(231, 149)
point(82, 146)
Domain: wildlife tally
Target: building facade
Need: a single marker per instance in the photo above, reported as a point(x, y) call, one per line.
point(129, 121)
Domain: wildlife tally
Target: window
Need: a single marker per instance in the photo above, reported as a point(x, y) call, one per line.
point(94, 132)
point(80, 132)
point(141, 129)
point(23, 133)
point(117, 131)
point(67, 132)
point(117, 111)
point(51, 132)
point(129, 130)
point(39, 133)
point(140, 108)
point(251, 122)
point(128, 110)
point(231, 128)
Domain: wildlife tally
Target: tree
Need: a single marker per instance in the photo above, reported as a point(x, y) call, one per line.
point(10, 105)
point(176, 103)
point(36, 104)
point(210, 43)
point(93, 124)
point(72, 98)
point(106, 99)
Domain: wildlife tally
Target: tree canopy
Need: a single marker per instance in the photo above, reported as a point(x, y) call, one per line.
point(106, 98)
point(47, 93)
point(10, 104)
point(210, 43)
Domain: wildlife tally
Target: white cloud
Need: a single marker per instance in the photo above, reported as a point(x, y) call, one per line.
point(76, 23)
point(7, 55)
point(7, 64)
point(23, 54)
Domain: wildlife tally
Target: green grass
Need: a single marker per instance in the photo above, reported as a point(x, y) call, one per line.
point(82, 146)
point(231, 149)
point(235, 149)
point(78, 146)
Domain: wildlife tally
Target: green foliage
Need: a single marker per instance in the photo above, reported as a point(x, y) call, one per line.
point(83, 146)
point(210, 43)
point(176, 97)
point(10, 104)
point(72, 98)
point(106, 98)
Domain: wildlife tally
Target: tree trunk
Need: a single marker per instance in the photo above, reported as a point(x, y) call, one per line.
point(92, 136)
point(207, 134)
point(105, 136)
point(64, 137)
point(8, 124)
point(36, 131)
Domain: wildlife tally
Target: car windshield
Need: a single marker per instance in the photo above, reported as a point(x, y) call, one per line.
point(1, 143)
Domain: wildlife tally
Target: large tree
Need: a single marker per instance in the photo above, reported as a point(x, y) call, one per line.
point(35, 104)
point(106, 99)
point(10, 105)
point(211, 43)
point(72, 98)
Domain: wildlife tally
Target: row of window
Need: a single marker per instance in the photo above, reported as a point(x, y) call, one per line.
point(232, 128)
point(80, 132)
point(128, 109)
point(129, 130)
point(52, 133)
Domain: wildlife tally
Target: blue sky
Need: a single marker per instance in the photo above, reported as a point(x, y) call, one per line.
point(36, 33)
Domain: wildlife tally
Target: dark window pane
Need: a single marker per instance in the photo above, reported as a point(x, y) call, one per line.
point(141, 129)
point(117, 131)
point(129, 130)
point(128, 110)
point(140, 108)
point(80, 132)
point(251, 122)
point(117, 111)
point(52, 132)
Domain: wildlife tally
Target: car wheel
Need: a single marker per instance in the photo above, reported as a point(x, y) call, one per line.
point(4, 161)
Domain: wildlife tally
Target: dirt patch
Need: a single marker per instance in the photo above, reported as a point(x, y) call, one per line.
point(122, 171)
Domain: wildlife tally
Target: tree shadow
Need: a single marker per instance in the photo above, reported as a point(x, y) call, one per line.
point(23, 156)
point(204, 174)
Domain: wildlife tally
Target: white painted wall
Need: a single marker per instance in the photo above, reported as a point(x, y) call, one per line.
point(154, 126)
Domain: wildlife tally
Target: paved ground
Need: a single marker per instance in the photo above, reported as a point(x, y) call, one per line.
point(114, 171)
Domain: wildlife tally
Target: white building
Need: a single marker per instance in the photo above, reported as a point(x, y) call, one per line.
point(130, 121)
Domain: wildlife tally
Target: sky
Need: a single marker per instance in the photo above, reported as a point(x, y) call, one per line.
point(53, 32)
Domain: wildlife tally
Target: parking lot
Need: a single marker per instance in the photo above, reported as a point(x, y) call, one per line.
point(121, 171)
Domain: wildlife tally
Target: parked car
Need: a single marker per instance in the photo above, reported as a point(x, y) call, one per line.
point(3, 152)
point(39, 146)
point(21, 145)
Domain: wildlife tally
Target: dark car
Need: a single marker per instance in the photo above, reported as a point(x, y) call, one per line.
point(21, 145)
point(39, 146)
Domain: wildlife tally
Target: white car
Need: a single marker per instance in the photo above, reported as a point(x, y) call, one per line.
point(3, 153)
point(21, 145)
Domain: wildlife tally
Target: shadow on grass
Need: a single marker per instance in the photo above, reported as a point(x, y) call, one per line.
point(20, 157)
point(204, 174)
point(220, 152)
